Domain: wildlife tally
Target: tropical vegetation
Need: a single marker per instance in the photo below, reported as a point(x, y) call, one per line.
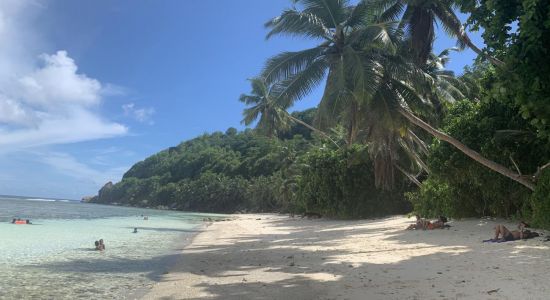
point(392, 122)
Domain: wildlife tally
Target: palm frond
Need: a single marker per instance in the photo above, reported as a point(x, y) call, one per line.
point(392, 9)
point(357, 15)
point(300, 84)
point(299, 24)
point(332, 12)
point(288, 64)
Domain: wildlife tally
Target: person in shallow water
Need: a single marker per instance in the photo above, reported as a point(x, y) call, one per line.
point(97, 245)
point(135, 230)
point(13, 221)
point(101, 245)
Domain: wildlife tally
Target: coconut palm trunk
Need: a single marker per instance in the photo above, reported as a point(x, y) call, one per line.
point(466, 40)
point(411, 177)
point(312, 129)
point(468, 151)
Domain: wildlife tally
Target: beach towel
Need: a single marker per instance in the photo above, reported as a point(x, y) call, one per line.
point(495, 241)
point(526, 235)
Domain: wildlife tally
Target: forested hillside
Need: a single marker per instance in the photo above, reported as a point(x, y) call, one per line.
point(245, 171)
point(392, 122)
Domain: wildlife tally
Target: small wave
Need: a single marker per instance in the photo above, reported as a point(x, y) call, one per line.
point(40, 199)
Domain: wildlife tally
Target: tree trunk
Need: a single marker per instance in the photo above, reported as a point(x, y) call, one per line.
point(466, 150)
point(492, 60)
point(352, 123)
point(312, 129)
point(409, 176)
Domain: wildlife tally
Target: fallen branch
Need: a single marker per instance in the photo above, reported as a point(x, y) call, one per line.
point(515, 165)
point(539, 170)
point(411, 177)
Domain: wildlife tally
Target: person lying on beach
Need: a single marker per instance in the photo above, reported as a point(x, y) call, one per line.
point(502, 234)
point(425, 224)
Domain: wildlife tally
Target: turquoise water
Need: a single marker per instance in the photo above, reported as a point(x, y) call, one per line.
point(54, 258)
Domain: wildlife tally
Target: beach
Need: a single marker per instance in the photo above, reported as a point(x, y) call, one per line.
point(271, 256)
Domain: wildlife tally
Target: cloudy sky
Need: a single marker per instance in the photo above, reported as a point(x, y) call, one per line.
point(88, 88)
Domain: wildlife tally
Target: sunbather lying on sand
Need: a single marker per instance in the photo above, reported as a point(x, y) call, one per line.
point(502, 234)
point(425, 224)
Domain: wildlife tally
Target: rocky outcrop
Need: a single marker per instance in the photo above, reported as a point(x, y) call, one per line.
point(105, 194)
point(88, 199)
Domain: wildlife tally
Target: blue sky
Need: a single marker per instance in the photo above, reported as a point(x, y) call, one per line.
point(88, 88)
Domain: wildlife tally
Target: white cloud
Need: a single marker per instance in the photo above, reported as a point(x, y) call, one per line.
point(58, 83)
point(12, 112)
point(70, 166)
point(77, 126)
point(143, 115)
point(44, 99)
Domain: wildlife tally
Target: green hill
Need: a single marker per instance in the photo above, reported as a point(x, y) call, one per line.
point(244, 171)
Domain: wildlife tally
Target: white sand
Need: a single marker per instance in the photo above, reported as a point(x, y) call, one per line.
point(278, 257)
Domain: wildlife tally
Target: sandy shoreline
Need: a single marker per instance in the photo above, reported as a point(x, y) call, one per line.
point(277, 257)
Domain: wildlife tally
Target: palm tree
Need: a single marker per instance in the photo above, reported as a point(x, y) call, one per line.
point(352, 45)
point(447, 87)
point(272, 120)
point(273, 117)
point(340, 29)
point(371, 84)
point(419, 17)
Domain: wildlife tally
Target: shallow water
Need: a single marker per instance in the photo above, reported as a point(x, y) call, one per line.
point(54, 258)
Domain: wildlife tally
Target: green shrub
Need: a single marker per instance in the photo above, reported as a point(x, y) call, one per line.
point(540, 201)
point(459, 186)
point(340, 183)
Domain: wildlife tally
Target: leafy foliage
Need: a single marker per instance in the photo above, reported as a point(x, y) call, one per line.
point(339, 183)
point(375, 60)
point(247, 171)
point(518, 32)
point(457, 186)
point(540, 201)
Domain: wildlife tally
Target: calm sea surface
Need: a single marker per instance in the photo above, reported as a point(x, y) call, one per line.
point(54, 258)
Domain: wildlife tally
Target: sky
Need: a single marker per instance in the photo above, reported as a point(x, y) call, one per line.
point(88, 88)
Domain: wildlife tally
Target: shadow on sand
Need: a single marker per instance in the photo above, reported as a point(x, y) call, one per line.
point(403, 265)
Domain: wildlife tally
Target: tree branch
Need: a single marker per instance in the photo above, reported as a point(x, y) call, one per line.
point(515, 165)
point(312, 129)
point(539, 170)
point(467, 150)
point(409, 176)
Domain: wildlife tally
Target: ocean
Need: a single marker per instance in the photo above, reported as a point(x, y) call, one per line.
point(54, 257)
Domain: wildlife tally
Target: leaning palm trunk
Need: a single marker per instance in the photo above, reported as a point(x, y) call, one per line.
point(471, 45)
point(466, 150)
point(312, 129)
point(411, 177)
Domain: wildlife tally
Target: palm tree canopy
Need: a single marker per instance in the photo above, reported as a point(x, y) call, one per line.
point(419, 19)
point(272, 117)
point(360, 59)
point(375, 85)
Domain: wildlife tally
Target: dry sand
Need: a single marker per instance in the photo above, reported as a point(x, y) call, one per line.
point(277, 257)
